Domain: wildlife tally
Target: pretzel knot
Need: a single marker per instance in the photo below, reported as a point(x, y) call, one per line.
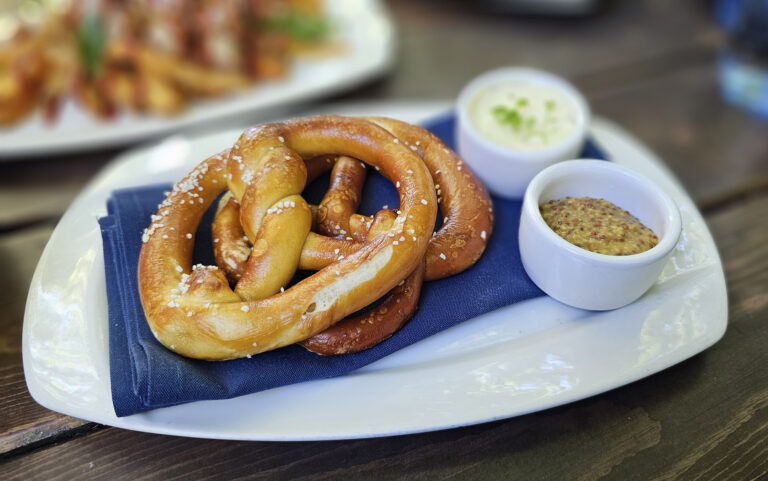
point(263, 234)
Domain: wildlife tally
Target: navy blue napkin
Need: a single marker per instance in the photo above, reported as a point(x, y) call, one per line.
point(145, 375)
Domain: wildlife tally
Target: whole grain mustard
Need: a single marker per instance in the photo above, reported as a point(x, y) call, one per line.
point(598, 226)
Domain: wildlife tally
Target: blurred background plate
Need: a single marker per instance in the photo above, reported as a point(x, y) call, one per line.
point(362, 27)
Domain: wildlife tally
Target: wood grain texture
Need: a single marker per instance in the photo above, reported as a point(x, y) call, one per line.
point(444, 44)
point(717, 151)
point(706, 418)
point(650, 66)
point(19, 253)
point(521, 446)
point(23, 422)
point(32, 190)
point(715, 406)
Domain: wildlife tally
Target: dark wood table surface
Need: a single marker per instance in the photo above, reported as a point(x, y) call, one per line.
point(651, 67)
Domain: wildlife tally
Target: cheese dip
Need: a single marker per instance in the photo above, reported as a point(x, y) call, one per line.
point(522, 115)
point(598, 226)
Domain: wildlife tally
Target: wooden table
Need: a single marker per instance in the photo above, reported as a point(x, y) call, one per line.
point(650, 66)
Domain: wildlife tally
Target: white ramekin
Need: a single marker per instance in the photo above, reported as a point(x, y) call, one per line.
point(585, 279)
point(504, 171)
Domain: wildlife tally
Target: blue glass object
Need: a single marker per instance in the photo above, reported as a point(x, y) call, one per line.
point(743, 63)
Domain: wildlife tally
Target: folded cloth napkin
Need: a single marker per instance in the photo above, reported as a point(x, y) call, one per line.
point(145, 375)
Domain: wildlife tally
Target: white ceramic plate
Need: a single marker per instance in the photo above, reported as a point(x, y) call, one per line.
point(362, 26)
point(523, 358)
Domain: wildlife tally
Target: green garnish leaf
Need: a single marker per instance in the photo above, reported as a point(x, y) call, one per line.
point(550, 105)
point(499, 113)
point(508, 116)
point(522, 102)
point(91, 40)
point(304, 28)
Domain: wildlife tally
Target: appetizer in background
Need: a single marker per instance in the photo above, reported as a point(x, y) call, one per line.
point(146, 56)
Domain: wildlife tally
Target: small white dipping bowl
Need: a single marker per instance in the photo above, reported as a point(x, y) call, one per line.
point(504, 171)
point(582, 278)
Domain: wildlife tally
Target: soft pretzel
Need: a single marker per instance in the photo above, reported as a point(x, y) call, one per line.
point(466, 226)
point(366, 329)
point(464, 203)
point(342, 198)
point(194, 312)
point(231, 247)
point(460, 241)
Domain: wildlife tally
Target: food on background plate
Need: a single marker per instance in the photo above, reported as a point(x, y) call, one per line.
point(145, 56)
point(265, 231)
point(598, 226)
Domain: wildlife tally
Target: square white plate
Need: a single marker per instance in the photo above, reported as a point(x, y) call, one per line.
point(367, 38)
point(525, 357)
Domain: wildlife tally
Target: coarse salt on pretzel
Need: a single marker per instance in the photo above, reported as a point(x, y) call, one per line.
point(465, 204)
point(232, 250)
point(466, 227)
point(367, 328)
point(341, 199)
point(197, 314)
point(460, 241)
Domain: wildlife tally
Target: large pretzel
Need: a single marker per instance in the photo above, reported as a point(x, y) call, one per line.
point(193, 311)
point(455, 246)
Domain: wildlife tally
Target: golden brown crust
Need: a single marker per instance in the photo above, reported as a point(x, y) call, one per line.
point(232, 250)
point(316, 166)
point(341, 199)
point(460, 241)
point(464, 203)
point(366, 329)
point(230, 245)
point(196, 313)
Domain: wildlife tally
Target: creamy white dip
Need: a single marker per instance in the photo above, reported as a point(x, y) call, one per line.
point(521, 115)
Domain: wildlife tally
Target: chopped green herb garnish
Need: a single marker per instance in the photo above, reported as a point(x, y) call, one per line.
point(91, 41)
point(509, 116)
point(522, 102)
point(304, 28)
point(550, 105)
point(530, 122)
